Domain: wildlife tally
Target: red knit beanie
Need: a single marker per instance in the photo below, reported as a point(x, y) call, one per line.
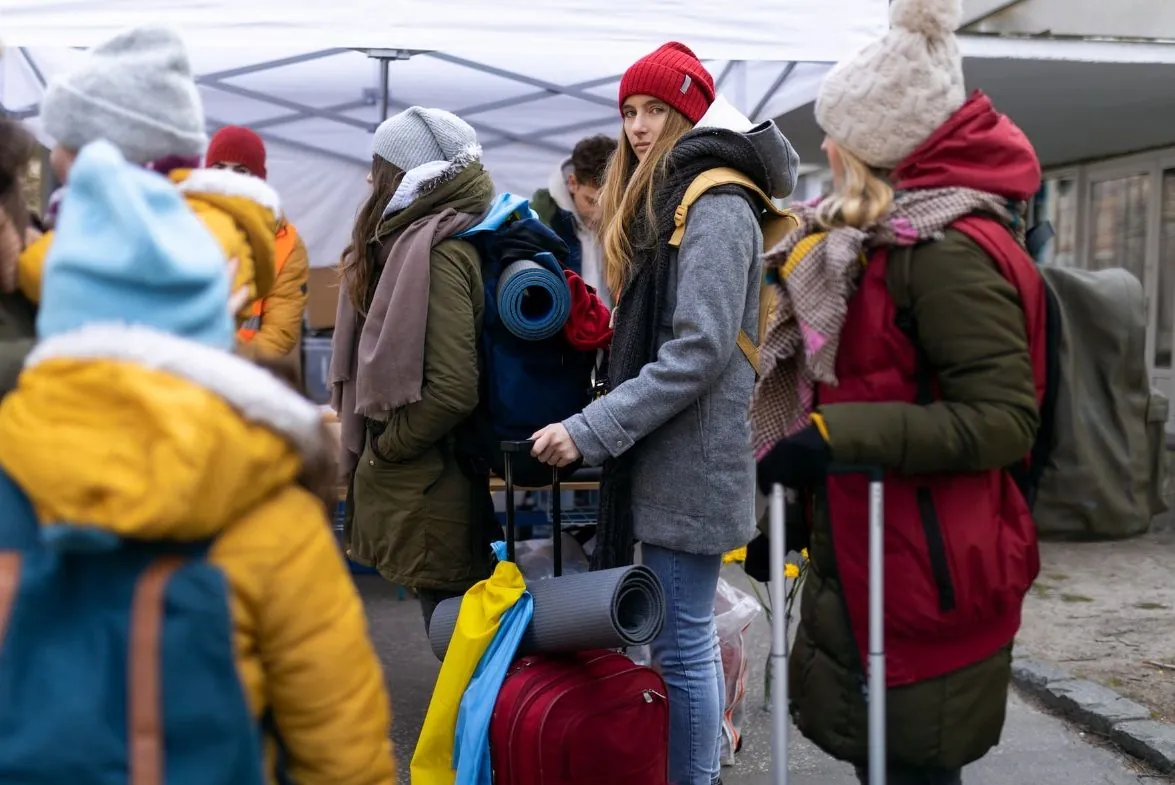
point(672, 74)
point(238, 145)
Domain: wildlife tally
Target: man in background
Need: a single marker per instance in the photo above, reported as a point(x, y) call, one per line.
point(275, 326)
point(569, 205)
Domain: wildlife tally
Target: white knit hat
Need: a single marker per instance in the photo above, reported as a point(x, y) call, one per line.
point(419, 136)
point(135, 90)
point(891, 96)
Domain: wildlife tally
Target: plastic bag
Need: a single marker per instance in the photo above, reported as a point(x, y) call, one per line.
point(734, 612)
point(536, 558)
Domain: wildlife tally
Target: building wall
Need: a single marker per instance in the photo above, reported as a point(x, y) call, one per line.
point(1148, 19)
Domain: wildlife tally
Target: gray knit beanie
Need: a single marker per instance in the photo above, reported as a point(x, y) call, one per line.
point(419, 136)
point(891, 96)
point(136, 91)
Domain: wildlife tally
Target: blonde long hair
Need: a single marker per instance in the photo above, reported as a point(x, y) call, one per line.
point(627, 183)
point(862, 199)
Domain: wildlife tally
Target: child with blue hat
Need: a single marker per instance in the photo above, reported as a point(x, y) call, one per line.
point(133, 429)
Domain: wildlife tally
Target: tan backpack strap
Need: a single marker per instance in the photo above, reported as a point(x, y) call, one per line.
point(781, 222)
point(9, 584)
point(746, 344)
point(144, 678)
point(712, 178)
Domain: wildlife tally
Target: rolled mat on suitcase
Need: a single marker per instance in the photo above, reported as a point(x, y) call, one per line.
point(596, 610)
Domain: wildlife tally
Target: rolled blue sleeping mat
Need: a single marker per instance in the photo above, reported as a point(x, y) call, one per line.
point(606, 609)
point(534, 302)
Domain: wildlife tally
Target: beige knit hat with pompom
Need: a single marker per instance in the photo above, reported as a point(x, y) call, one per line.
point(892, 95)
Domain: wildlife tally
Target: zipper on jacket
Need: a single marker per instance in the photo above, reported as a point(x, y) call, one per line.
point(939, 566)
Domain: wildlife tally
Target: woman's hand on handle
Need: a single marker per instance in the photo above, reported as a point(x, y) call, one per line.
point(554, 446)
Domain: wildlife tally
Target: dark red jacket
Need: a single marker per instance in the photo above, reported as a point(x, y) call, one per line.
point(960, 549)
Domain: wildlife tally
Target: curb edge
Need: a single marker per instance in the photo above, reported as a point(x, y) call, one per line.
point(1099, 709)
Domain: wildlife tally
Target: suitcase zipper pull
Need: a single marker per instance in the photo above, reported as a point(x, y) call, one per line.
point(648, 695)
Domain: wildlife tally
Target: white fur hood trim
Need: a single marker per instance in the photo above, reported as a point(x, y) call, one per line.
point(256, 395)
point(229, 183)
point(427, 177)
point(723, 114)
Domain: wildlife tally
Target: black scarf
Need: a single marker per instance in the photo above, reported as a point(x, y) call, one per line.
point(634, 342)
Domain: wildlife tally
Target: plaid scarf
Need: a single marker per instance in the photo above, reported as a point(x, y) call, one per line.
point(818, 270)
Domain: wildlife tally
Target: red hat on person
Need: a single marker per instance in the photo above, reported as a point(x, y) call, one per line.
point(672, 74)
point(238, 145)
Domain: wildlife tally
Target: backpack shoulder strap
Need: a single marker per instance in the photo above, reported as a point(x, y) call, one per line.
point(10, 565)
point(776, 223)
point(712, 178)
point(145, 698)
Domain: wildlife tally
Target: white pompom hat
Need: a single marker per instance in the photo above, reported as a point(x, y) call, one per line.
point(891, 96)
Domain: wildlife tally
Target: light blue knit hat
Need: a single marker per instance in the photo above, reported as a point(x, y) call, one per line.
point(127, 249)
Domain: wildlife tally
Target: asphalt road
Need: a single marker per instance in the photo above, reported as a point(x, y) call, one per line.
point(1037, 749)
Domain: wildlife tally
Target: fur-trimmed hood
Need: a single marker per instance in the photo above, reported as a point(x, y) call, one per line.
point(140, 433)
point(241, 212)
point(426, 178)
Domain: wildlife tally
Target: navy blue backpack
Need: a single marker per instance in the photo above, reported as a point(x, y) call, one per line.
point(530, 375)
point(116, 663)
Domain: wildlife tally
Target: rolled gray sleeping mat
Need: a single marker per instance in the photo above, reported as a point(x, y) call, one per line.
point(608, 609)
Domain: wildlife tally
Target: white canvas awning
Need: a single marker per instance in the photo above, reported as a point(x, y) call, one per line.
point(532, 80)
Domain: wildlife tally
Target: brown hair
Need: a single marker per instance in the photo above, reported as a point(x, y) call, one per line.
point(359, 258)
point(862, 198)
point(589, 159)
point(16, 150)
point(627, 184)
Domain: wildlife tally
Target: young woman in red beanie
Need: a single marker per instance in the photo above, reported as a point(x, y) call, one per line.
point(274, 327)
point(672, 432)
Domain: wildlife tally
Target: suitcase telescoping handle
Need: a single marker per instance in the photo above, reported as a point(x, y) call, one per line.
point(779, 676)
point(509, 450)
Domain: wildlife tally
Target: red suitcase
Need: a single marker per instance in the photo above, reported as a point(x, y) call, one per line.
point(589, 718)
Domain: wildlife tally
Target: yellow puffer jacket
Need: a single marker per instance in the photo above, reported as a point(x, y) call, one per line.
point(154, 437)
point(281, 310)
point(241, 212)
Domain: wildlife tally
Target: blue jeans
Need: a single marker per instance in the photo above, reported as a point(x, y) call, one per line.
point(687, 654)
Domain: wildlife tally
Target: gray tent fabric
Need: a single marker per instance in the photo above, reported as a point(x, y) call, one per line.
point(607, 609)
point(1105, 474)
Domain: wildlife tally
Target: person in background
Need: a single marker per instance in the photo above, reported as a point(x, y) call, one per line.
point(274, 327)
point(404, 364)
point(133, 418)
point(672, 432)
point(936, 362)
point(136, 91)
point(17, 312)
point(570, 205)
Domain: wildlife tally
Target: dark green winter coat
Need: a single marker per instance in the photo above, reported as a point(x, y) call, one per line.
point(416, 516)
point(971, 326)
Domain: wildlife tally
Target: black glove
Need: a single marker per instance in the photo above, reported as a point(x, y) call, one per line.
point(799, 461)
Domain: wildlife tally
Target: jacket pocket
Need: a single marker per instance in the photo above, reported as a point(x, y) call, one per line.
point(940, 566)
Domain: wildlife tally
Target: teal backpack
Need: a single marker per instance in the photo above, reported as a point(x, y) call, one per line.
point(116, 662)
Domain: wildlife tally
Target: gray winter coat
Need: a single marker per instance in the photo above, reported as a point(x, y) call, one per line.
point(694, 477)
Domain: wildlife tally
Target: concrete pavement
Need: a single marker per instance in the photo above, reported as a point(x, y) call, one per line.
point(1038, 749)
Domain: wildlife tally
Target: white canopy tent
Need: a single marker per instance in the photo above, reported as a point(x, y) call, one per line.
point(315, 78)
